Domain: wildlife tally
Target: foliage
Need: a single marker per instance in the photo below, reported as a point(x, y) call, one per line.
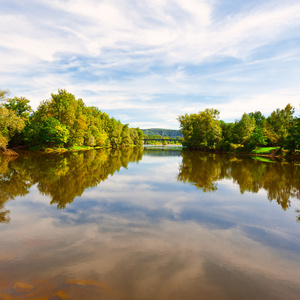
point(66, 121)
point(53, 133)
point(3, 94)
point(244, 129)
point(202, 130)
point(10, 124)
point(257, 138)
point(20, 105)
point(253, 130)
point(292, 140)
point(162, 132)
point(278, 125)
point(264, 150)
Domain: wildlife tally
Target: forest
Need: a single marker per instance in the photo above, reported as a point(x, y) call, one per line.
point(66, 122)
point(60, 122)
point(204, 131)
point(161, 133)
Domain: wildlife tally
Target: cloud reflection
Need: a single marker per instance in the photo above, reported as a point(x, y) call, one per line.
point(141, 234)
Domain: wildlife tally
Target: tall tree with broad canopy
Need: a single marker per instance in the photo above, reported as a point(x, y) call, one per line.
point(278, 125)
point(202, 130)
point(10, 122)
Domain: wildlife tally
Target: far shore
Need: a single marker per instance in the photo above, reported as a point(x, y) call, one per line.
point(273, 155)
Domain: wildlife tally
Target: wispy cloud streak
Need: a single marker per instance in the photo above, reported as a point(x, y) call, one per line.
point(156, 56)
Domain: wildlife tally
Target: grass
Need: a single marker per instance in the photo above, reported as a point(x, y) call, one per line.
point(76, 148)
point(264, 150)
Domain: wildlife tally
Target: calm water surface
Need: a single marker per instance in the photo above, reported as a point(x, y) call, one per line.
point(148, 223)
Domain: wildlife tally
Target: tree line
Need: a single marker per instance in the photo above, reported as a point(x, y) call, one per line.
point(205, 131)
point(61, 121)
point(169, 133)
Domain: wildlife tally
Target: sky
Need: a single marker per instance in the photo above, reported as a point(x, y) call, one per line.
point(147, 62)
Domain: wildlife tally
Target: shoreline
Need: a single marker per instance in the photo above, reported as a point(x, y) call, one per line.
point(272, 155)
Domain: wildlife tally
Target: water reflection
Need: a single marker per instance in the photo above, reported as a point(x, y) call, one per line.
point(280, 180)
point(14, 181)
point(167, 150)
point(60, 176)
point(142, 234)
point(66, 176)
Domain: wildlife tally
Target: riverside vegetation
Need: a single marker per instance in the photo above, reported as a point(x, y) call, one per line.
point(279, 131)
point(62, 122)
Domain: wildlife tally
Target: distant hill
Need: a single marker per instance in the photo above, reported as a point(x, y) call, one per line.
point(163, 132)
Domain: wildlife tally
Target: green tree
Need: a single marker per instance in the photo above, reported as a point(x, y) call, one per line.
point(260, 119)
point(244, 129)
point(278, 125)
point(10, 124)
point(125, 135)
point(202, 130)
point(53, 133)
point(257, 139)
point(81, 124)
point(292, 140)
point(138, 140)
point(20, 105)
point(115, 130)
point(3, 94)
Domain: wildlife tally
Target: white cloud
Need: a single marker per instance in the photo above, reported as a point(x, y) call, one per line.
point(142, 50)
point(265, 103)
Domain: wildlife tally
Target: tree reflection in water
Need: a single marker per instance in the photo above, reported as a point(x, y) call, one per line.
point(14, 181)
point(60, 176)
point(280, 180)
point(66, 176)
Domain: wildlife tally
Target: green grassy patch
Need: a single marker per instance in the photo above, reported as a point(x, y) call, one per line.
point(264, 150)
point(78, 148)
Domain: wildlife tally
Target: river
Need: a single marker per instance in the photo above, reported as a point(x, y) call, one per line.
point(149, 223)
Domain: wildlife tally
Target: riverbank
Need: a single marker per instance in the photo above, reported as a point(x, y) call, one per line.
point(14, 151)
point(272, 153)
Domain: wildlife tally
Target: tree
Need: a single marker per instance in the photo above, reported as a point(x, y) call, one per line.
point(278, 124)
point(202, 130)
point(260, 119)
point(10, 124)
point(20, 105)
point(53, 133)
point(125, 135)
point(115, 130)
point(227, 131)
point(257, 138)
point(292, 140)
point(139, 139)
point(244, 129)
point(3, 94)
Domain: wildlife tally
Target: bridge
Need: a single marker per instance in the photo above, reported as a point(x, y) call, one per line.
point(162, 140)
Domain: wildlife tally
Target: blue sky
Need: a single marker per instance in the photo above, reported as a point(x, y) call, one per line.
point(146, 62)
